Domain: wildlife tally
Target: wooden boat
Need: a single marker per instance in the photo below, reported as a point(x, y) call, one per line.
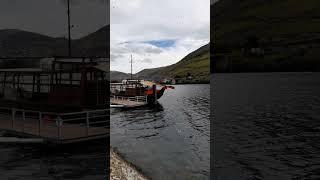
point(56, 85)
point(136, 93)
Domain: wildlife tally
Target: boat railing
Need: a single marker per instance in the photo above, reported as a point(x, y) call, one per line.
point(57, 126)
point(134, 98)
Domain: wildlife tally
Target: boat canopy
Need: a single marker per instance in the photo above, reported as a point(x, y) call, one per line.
point(149, 83)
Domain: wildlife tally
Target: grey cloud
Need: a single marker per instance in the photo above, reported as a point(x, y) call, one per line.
point(140, 48)
point(134, 21)
point(114, 57)
point(49, 17)
point(153, 50)
point(147, 60)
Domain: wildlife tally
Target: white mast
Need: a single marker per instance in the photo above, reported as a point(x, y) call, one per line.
point(131, 66)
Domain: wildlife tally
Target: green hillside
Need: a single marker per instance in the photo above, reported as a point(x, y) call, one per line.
point(195, 65)
point(286, 33)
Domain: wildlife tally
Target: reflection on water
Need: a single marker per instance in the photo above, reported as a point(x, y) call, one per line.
point(84, 161)
point(266, 126)
point(170, 140)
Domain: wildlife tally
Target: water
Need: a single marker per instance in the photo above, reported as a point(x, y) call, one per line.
point(84, 161)
point(266, 126)
point(170, 141)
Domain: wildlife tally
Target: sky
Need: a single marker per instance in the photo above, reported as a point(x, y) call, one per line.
point(156, 32)
point(49, 17)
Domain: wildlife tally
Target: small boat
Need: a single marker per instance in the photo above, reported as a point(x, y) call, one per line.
point(136, 93)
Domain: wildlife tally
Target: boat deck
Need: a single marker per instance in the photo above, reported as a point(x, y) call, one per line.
point(128, 102)
point(59, 129)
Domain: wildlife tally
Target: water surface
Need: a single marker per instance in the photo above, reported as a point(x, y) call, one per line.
point(85, 161)
point(266, 126)
point(171, 140)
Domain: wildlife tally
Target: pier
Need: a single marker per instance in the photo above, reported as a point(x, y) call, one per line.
point(58, 128)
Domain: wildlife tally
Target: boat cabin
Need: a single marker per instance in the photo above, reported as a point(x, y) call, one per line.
point(56, 84)
point(128, 88)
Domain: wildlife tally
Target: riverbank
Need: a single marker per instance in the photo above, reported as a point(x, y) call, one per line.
point(122, 169)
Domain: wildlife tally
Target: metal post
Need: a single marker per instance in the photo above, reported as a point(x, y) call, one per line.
point(13, 117)
point(87, 120)
point(58, 120)
point(38, 83)
point(154, 88)
point(39, 123)
point(23, 119)
point(33, 83)
point(4, 82)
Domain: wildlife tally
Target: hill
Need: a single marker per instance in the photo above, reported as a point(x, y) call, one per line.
point(195, 65)
point(95, 44)
point(266, 35)
point(118, 76)
point(22, 43)
point(18, 43)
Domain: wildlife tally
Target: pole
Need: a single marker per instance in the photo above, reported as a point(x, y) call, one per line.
point(13, 117)
point(87, 125)
point(69, 33)
point(59, 123)
point(39, 123)
point(131, 66)
point(154, 89)
point(23, 119)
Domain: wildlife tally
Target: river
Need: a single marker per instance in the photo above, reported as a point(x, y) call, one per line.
point(171, 140)
point(81, 161)
point(266, 126)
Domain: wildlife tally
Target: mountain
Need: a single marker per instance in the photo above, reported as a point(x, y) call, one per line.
point(266, 35)
point(18, 43)
point(22, 43)
point(95, 44)
point(195, 65)
point(118, 76)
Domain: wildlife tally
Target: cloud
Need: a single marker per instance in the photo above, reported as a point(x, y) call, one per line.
point(147, 60)
point(153, 50)
point(49, 17)
point(78, 2)
point(161, 43)
point(113, 57)
point(164, 31)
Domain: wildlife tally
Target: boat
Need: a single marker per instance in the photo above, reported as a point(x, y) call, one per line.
point(136, 93)
point(57, 84)
point(59, 99)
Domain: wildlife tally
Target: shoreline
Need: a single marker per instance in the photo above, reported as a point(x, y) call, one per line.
point(120, 168)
